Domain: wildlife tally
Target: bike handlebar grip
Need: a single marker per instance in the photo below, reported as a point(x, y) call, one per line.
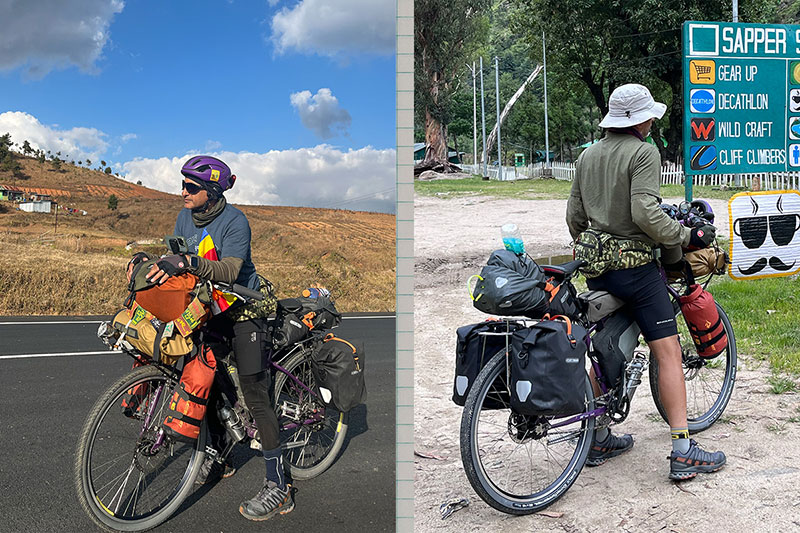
point(247, 293)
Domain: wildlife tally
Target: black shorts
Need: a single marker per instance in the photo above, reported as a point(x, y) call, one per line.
point(643, 289)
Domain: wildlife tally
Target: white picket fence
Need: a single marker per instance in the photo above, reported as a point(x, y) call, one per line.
point(671, 174)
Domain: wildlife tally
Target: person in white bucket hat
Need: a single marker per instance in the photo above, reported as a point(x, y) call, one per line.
point(616, 192)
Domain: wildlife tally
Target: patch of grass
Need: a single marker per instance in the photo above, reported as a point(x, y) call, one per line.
point(781, 384)
point(776, 427)
point(702, 191)
point(768, 336)
point(530, 189)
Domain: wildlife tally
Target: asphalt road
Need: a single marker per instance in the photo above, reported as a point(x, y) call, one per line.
point(44, 401)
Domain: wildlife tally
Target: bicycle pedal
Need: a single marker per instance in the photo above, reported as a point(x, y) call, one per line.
point(210, 450)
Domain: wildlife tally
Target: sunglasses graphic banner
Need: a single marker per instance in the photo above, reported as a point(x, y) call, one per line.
point(765, 234)
point(741, 97)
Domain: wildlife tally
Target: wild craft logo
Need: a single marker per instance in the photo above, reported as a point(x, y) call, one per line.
point(702, 100)
point(703, 129)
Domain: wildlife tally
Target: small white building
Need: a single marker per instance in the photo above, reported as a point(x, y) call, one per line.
point(35, 207)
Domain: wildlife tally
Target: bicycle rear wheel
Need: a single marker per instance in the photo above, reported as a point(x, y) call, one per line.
point(128, 475)
point(709, 382)
point(311, 433)
point(518, 464)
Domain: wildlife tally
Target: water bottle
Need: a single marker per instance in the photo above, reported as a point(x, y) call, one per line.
point(311, 293)
point(232, 422)
point(512, 239)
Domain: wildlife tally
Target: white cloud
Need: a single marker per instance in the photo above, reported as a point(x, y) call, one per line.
point(76, 143)
point(322, 176)
point(47, 35)
point(128, 137)
point(212, 145)
point(321, 112)
point(340, 28)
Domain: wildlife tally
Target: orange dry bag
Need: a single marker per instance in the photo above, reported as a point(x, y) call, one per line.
point(704, 322)
point(188, 404)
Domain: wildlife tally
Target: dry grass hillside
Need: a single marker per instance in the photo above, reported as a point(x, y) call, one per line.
point(77, 268)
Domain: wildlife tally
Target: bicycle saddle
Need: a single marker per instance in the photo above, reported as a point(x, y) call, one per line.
point(565, 269)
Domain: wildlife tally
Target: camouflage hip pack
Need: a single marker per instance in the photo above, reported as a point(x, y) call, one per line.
point(256, 308)
point(604, 252)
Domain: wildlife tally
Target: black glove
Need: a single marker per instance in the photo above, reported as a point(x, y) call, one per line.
point(137, 258)
point(702, 236)
point(174, 265)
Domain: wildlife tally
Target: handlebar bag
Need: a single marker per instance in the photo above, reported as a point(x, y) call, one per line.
point(189, 401)
point(315, 312)
point(338, 369)
point(510, 285)
point(149, 336)
point(548, 368)
point(704, 323)
point(475, 345)
point(287, 329)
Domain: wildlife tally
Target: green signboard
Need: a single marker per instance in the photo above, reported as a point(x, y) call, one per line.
point(741, 97)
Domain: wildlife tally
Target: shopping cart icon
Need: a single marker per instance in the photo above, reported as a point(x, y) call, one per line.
point(701, 71)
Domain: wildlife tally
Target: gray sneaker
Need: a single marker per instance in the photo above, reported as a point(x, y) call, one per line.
point(613, 446)
point(211, 471)
point(269, 501)
point(696, 461)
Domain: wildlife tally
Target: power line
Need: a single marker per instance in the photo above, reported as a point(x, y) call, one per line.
point(359, 198)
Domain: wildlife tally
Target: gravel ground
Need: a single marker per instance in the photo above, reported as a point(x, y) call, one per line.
point(756, 491)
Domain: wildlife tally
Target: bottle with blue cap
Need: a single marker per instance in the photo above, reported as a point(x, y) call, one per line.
point(512, 238)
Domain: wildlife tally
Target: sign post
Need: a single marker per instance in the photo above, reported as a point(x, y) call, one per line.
point(742, 98)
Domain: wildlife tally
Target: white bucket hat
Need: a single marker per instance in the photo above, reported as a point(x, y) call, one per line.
point(631, 104)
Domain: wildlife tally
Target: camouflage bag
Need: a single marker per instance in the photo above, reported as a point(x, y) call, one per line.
point(604, 252)
point(254, 308)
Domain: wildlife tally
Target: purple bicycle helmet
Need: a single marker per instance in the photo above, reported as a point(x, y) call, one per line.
point(209, 171)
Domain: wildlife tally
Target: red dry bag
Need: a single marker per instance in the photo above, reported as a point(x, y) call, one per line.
point(188, 404)
point(704, 322)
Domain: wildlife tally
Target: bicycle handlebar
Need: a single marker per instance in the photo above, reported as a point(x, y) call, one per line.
point(240, 290)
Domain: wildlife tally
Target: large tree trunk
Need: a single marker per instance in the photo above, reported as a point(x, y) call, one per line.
point(436, 141)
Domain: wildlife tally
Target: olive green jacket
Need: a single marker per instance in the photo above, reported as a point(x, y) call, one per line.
point(616, 190)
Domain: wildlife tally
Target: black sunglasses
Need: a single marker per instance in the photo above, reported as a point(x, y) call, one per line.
point(191, 188)
point(753, 230)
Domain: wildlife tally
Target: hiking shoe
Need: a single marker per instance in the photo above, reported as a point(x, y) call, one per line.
point(211, 471)
point(269, 501)
point(611, 447)
point(696, 461)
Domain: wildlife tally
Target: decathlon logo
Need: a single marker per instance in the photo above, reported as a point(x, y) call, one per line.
point(702, 100)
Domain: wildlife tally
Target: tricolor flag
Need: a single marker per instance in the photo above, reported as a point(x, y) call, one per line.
point(207, 250)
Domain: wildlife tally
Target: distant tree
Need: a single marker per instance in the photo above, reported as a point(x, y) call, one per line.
point(107, 170)
point(102, 163)
point(80, 162)
point(56, 162)
point(26, 148)
point(88, 162)
point(40, 156)
point(139, 182)
point(444, 33)
point(112, 202)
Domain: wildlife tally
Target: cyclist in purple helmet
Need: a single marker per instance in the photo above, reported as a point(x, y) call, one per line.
point(218, 237)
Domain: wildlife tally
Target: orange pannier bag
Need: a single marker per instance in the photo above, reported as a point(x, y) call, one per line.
point(705, 324)
point(189, 401)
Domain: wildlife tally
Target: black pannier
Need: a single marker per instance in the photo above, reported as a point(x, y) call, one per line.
point(295, 317)
point(338, 369)
point(287, 329)
point(548, 369)
point(475, 345)
point(614, 344)
point(511, 284)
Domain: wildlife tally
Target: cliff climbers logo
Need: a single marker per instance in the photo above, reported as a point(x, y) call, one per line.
point(702, 100)
point(703, 129)
point(703, 157)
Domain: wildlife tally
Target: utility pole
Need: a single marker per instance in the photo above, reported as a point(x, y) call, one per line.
point(497, 98)
point(483, 126)
point(474, 118)
point(546, 133)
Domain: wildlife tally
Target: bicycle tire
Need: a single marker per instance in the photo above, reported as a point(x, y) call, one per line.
point(491, 384)
point(701, 416)
point(310, 459)
point(128, 431)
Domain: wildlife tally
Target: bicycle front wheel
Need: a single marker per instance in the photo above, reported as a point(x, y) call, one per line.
point(519, 464)
point(128, 474)
point(311, 433)
point(709, 382)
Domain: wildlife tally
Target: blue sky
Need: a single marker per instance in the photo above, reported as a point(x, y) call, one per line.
point(298, 96)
